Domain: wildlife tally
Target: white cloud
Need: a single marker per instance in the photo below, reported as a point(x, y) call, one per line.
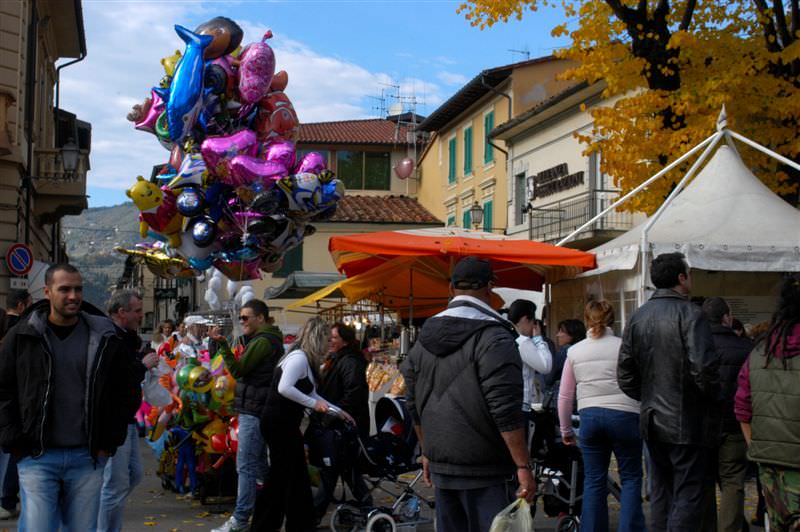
point(451, 78)
point(126, 43)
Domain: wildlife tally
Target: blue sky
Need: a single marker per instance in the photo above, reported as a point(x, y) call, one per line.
point(338, 54)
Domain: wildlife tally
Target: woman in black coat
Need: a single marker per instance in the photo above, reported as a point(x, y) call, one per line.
point(344, 382)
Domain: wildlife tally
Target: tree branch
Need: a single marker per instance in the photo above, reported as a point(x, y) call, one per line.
point(780, 20)
point(687, 15)
point(662, 9)
point(624, 13)
point(795, 14)
point(769, 27)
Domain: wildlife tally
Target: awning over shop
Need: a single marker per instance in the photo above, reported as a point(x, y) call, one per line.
point(301, 284)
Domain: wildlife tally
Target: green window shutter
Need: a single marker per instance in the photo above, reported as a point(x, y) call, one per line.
point(377, 170)
point(488, 126)
point(451, 220)
point(292, 262)
point(487, 217)
point(451, 154)
point(467, 219)
point(350, 169)
point(468, 151)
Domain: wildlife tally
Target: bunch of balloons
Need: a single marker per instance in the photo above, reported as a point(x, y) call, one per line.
point(234, 193)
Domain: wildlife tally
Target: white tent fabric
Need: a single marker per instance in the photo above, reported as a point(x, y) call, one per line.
point(726, 219)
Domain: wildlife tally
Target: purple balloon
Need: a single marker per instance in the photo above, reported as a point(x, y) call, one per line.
point(281, 151)
point(404, 168)
point(311, 163)
point(247, 170)
point(218, 151)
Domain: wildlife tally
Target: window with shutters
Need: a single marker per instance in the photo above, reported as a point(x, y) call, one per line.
point(487, 217)
point(451, 154)
point(488, 126)
point(468, 151)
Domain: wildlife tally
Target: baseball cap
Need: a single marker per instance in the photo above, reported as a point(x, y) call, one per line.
point(195, 320)
point(471, 273)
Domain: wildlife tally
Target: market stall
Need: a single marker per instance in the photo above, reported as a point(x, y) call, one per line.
point(737, 236)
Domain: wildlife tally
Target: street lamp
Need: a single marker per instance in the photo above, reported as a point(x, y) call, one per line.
point(69, 157)
point(476, 214)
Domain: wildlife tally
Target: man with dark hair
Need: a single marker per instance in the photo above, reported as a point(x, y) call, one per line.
point(66, 396)
point(464, 392)
point(668, 362)
point(253, 373)
point(732, 451)
point(17, 301)
point(123, 472)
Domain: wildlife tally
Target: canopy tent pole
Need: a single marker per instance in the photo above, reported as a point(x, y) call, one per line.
point(636, 190)
point(653, 219)
point(763, 149)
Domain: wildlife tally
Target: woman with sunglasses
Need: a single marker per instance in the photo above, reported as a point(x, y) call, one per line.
point(287, 493)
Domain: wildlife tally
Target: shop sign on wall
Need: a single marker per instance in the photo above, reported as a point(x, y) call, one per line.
point(554, 180)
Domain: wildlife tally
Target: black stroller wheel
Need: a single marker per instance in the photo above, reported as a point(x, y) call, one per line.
point(381, 522)
point(345, 519)
point(567, 523)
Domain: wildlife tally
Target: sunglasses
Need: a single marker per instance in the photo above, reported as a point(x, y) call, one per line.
point(244, 318)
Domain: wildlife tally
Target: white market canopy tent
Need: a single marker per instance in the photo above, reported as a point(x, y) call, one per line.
point(737, 235)
point(725, 220)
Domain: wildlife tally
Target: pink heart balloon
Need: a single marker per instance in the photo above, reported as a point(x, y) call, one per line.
point(219, 151)
point(157, 106)
point(312, 163)
point(256, 68)
point(404, 168)
point(239, 270)
point(247, 170)
point(281, 151)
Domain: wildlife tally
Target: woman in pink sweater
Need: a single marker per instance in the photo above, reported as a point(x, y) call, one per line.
point(609, 422)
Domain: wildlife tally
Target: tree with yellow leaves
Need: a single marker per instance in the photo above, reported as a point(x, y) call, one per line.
point(673, 65)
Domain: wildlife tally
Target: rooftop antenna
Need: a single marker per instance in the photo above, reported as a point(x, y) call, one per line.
point(525, 51)
point(379, 104)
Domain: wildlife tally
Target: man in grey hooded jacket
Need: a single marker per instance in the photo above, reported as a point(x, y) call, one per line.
point(464, 393)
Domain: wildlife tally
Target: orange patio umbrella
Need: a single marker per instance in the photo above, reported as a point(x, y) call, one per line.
point(516, 263)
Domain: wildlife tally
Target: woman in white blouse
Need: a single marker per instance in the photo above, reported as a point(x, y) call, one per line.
point(287, 493)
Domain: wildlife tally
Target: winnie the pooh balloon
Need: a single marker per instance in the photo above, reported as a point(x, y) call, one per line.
point(159, 210)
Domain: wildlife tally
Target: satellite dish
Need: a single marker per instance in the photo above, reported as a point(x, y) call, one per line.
point(396, 109)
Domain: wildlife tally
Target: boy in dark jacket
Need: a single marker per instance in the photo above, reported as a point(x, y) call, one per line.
point(68, 388)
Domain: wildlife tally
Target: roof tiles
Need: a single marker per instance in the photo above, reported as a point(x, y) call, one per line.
point(383, 209)
point(374, 131)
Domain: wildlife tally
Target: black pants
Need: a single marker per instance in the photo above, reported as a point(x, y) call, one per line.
point(287, 493)
point(683, 490)
point(470, 510)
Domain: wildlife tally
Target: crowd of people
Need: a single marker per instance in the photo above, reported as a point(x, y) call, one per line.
point(683, 395)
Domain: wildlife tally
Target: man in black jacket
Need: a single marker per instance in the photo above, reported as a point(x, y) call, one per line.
point(464, 393)
point(66, 396)
point(668, 362)
point(732, 451)
point(123, 472)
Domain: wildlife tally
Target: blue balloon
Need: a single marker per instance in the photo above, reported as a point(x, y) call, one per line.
point(190, 202)
point(203, 230)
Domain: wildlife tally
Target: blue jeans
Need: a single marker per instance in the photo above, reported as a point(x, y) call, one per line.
point(251, 465)
point(470, 510)
point(9, 482)
point(602, 431)
point(60, 488)
point(123, 472)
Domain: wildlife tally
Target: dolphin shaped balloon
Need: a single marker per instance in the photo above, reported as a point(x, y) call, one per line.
point(185, 95)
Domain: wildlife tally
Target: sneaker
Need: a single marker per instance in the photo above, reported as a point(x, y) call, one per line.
point(8, 514)
point(232, 525)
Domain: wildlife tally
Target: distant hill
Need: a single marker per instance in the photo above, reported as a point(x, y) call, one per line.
point(91, 238)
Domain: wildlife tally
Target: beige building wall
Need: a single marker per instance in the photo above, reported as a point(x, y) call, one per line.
point(58, 37)
point(488, 182)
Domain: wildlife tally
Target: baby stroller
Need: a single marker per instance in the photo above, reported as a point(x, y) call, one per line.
point(384, 458)
point(558, 470)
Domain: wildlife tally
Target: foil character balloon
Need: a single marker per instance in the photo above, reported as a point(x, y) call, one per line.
point(227, 36)
point(218, 151)
point(246, 170)
point(158, 210)
point(266, 202)
point(224, 388)
point(239, 270)
point(308, 194)
point(186, 91)
point(170, 62)
point(277, 117)
point(256, 68)
point(160, 263)
point(192, 172)
point(151, 111)
point(200, 380)
point(226, 64)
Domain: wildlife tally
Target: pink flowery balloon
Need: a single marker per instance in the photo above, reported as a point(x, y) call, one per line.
point(256, 68)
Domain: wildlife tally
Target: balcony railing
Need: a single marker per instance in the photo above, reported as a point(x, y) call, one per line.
point(58, 194)
point(50, 167)
point(553, 221)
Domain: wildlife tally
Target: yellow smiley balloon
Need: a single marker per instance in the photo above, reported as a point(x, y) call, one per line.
point(170, 62)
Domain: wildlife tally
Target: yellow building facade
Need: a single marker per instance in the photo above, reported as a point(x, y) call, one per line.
point(461, 166)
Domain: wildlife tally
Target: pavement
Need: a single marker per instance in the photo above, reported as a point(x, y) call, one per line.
point(150, 508)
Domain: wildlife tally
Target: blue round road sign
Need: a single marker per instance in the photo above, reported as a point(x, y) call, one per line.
point(19, 259)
